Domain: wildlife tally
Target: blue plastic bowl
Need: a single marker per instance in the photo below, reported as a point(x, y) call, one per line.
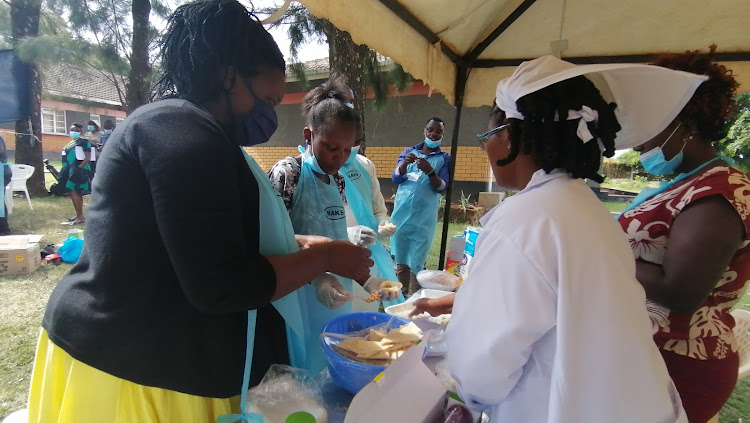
point(348, 374)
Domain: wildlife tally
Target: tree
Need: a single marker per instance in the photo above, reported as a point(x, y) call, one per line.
point(24, 18)
point(358, 64)
point(736, 144)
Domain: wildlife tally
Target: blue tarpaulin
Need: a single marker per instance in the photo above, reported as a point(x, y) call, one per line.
point(15, 89)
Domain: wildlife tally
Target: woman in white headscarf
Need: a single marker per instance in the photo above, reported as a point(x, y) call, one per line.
point(551, 324)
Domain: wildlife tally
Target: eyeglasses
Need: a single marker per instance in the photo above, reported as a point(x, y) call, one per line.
point(483, 138)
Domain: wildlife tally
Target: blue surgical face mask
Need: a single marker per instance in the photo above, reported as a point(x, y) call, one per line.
point(75, 135)
point(656, 164)
point(349, 105)
point(311, 160)
point(256, 126)
point(353, 155)
point(433, 144)
point(107, 131)
point(91, 128)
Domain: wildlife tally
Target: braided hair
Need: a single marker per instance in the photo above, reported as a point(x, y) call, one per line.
point(554, 143)
point(206, 36)
point(326, 103)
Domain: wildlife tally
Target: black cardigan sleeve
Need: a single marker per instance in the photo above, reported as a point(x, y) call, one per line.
point(193, 177)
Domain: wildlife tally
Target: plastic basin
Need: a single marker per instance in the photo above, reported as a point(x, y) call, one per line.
point(348, 374)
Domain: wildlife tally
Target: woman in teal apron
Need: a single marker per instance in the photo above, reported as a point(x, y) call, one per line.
point(314, 191)
point(152, 325)
point(421, 176)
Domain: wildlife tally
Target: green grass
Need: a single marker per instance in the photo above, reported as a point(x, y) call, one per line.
point(23, 299)
point(628, 184)
point(615, 206)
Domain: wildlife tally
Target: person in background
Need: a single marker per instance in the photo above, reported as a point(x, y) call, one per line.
point(93, 135)
point(76, 171)
point(108, 126)
point(422, 174)
point(172, 296)
point(7, 175)
point(550, 324)
point(690, 240)
point(365, 199)
point(314, 193)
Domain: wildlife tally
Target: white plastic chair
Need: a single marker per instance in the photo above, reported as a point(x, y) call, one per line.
point(21, 173)
point(742, 334)
point(9, 198)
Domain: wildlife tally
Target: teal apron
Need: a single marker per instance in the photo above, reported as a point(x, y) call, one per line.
point(359, 197)
point(415, 214)
point(276, 238)
point(317, 209)
point(2, 186)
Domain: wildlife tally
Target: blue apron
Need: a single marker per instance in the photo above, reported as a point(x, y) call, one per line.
point(317, 209)
point(2, 186)
point(359, 196)
point(415, 214)
point(647, 193)
point(276, 238)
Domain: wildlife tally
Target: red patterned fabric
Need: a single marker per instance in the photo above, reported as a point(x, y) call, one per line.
point(705, 334)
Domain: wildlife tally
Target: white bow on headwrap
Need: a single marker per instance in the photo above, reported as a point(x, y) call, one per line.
point(586, 114)
point(648, 97)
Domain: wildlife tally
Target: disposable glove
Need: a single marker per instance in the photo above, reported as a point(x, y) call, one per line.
point(361, 235)
point(331, 293)
point(386, 228)
point(373, 285)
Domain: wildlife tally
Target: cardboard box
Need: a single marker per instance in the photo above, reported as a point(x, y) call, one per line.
point(407, 390)
point(19, 254)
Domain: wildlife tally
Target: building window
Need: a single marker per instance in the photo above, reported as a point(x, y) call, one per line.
point(118, 121)
point(53, 121)
point(96, 118)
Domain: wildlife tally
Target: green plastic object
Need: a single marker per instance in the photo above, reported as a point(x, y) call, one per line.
point(300, 417)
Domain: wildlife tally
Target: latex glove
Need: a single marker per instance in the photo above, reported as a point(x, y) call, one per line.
point(331, 293)
point(373, 285)
point(386, 228)
point(361, 235)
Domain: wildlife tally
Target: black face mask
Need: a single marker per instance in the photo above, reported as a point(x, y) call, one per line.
point(256, 126)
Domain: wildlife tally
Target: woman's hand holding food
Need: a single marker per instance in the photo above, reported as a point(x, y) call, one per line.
point(348, 260)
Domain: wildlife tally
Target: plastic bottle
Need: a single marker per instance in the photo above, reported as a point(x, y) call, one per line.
point(300, 417)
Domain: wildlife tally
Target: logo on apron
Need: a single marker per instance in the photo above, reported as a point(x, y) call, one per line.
point(335, 213)
point(353, 175)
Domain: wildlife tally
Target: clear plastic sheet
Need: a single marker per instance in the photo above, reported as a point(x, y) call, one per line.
point(286, 390)
point(333, 340)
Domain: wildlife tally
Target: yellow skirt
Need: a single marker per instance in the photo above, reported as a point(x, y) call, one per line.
point(65, 390)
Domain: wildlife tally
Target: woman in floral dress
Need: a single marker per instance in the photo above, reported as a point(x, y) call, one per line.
point(690, 240)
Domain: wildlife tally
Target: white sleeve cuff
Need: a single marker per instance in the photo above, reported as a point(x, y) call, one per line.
point(442, 185)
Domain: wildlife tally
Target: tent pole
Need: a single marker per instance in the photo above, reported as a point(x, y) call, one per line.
point(461, 76)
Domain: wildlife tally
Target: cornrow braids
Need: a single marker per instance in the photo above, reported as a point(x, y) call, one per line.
point(554, 143)
point(713, 102)
point(325, 103)
point(206, 36)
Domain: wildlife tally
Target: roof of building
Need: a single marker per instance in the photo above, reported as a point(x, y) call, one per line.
point(83, 83)
point(89, 84)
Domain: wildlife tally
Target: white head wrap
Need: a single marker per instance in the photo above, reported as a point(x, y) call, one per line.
point(648, 97)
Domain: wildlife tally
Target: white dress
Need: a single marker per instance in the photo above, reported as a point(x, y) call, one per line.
point(551, 324)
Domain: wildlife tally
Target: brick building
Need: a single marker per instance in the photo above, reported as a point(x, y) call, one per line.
point(388, 131)
point(78, 95)
point(70, 94)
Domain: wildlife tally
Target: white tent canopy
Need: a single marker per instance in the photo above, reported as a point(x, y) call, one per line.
point(435, 40)
point(463, 48)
